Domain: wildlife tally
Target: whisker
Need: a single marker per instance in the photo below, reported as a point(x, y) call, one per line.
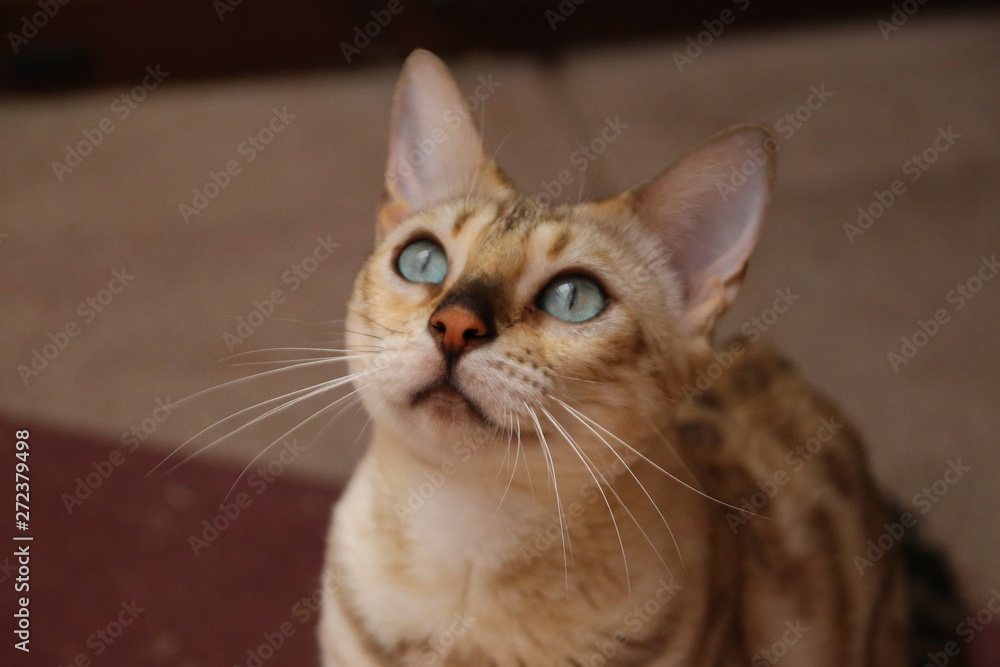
point(592, 470)
point(285, 435)
point(578, 379)
point(315, 360)
point(506, 456)
point(513, 468)
point(306, 393)
point(527, 468)
point(647, 460)
point(230, 383)
point(375, 322)
point(285, 349)
point(365, 333)
point(550, 465)
point(628, 468)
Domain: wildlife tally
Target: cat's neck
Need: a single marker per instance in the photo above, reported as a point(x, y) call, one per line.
point(489, 505)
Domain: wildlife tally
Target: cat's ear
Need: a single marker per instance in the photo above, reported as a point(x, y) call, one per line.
point(435, 151)
point(708, 209)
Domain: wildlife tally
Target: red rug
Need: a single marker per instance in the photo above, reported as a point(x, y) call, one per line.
point(125, 569)
point(113, 571)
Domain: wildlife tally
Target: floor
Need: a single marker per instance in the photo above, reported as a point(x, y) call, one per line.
point(147, 239)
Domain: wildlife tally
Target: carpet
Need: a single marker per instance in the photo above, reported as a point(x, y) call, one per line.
point(131, 570)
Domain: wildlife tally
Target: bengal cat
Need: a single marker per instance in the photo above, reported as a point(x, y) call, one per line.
point(561, 462)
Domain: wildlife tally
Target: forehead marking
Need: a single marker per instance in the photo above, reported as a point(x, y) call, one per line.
point(460, 221)
point(517, 214)
point(559, 243)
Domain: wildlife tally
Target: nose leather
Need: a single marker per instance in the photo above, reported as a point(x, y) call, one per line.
point(457, 327)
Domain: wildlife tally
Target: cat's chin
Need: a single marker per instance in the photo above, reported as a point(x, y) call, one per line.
point(449, 405)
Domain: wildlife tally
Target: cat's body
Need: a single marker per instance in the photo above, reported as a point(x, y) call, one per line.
point(447, 587)
point(548, 483)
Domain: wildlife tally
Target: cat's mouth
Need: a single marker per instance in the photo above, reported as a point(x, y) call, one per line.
point(448, 399)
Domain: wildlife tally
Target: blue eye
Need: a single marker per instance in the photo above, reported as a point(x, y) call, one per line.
point(423, 262)
point(572, 299)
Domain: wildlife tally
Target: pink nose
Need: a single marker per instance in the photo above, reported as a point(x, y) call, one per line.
point(457, 326)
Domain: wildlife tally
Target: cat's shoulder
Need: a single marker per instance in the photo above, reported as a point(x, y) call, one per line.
point(756, 424)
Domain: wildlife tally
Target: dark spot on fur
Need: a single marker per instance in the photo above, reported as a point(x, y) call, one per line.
point(751, 376)
point(842, 475)
point(700, 434)
point(559, 244)
point(460, 221)
point(782, 363)
point(707, 399)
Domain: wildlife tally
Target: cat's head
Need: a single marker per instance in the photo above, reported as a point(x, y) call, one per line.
point(486, 310)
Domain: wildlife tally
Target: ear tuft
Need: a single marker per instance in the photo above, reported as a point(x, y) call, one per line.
point(708, 209)
point(435, 151)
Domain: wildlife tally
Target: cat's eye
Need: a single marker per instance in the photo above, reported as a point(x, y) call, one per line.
point(572, 299)
point(423, 261)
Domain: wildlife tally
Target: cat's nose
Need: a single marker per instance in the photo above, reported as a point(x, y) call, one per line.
point(457, 327)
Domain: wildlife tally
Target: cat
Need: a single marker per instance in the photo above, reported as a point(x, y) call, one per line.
point(547, 483)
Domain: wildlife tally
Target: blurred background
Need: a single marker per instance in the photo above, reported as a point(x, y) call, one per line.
point(188, 180)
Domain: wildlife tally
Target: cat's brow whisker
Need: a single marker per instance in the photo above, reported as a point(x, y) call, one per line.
point(285, 435)
point(579, 416)
point(655, 465)
point(550, 466)
point(594, 472)
point(306, 393)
